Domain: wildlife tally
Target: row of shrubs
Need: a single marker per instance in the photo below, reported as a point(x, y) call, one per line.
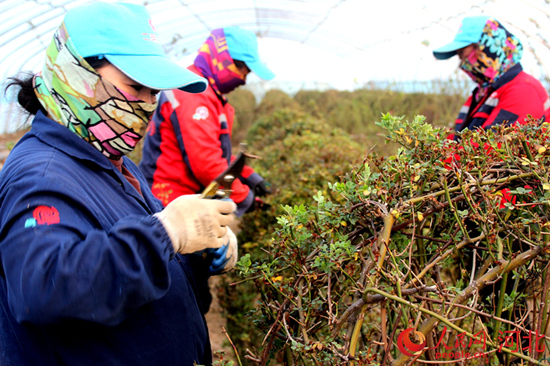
point(353, 112)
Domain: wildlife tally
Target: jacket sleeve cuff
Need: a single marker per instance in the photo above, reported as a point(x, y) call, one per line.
point(243, 206)
point(252, 180)
point(164, 237)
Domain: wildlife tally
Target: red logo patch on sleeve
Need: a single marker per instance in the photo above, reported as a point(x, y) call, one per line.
point(46, 215)
point(200, 113)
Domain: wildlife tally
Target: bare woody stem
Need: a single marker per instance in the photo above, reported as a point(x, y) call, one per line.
point(481, 183)
point(356, 333)
point(443, 256)
point(371, 299)
point(476, 285)
point(384, 238)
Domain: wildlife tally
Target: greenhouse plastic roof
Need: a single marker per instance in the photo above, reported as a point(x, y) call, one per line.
point(371, 35)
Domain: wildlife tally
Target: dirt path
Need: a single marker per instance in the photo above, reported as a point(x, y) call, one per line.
point(215, 318)
point(217, 322)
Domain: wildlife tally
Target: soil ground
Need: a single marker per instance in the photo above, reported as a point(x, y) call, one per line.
point(215, 318)
point(217, 323)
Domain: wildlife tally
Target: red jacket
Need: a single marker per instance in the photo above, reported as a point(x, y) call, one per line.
point(188, 144)
point(514, 96)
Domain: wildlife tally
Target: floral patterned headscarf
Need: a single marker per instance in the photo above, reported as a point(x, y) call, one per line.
point(217, 66)
point(76, 96)
point(499, 50)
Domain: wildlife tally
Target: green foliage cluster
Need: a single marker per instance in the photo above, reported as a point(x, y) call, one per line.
point(355, 112)
point(245, 113)
point(299, 155)
point(341, 278)
point(275, 100)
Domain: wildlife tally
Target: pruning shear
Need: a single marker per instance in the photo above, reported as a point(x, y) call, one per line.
point(220, 187)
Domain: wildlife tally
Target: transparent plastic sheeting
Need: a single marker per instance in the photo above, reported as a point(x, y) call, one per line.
point(364, 35)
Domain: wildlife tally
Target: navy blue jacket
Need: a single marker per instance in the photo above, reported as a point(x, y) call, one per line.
point(87, 275)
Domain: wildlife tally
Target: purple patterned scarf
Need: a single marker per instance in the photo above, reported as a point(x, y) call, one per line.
point(217, 66)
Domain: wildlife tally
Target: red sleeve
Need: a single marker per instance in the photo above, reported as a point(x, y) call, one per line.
point(518, 101)
point(247, 171)
point(198, 117)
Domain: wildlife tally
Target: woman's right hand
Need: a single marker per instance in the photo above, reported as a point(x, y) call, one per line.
point(194, 223)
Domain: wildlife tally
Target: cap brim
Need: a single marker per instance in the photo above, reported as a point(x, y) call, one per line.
point(158, 73)
point(261, 70)
point(449, 50)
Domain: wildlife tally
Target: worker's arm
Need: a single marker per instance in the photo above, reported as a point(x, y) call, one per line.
point(207, 141)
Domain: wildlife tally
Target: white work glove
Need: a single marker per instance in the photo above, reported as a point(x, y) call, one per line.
point(194, 223)
point(225, 257)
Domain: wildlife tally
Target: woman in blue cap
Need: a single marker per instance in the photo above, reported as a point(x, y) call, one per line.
point(188, 143)
point(491, 56)
point(505, 94)
point(93, 270)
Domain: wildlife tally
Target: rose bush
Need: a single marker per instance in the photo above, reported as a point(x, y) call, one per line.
point(412, 240)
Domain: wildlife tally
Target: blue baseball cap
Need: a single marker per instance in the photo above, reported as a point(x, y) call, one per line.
point(243, 46)
point(124, 34)
point(470, 32)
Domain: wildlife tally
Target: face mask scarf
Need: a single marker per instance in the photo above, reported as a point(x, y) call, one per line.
point(499, 50)
point(217, 66)
point(76, 96)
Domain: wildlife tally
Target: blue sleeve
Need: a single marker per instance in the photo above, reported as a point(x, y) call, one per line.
point(59, 262)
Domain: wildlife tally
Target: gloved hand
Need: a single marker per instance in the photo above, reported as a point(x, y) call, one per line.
point(261, 189)
point(225, 257)
point(193, 223)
